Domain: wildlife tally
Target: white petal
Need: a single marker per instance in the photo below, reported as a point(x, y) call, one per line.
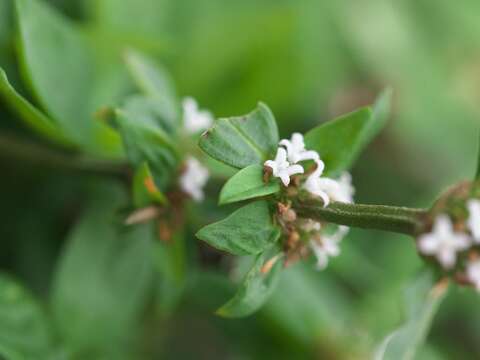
point(298, 142)
point(474, 218)
point(443, 225)
point(447, 258)
point(428, 244)
point(295, 169)
point(308, 155)
point(281, 156)
point(285, 177)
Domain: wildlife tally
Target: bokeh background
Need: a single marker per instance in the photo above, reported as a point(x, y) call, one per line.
point(310, 60)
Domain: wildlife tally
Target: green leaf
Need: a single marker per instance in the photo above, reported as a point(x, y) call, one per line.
point(144, 143)
point(242, 141)
point(477, 174)
point(247, 184)
point(421, 301)
point(24, 329)
point(31, 116)
point(145, 191)
point(255, 289)
point(155, 82)
point(248, 231)
point(57, 62)
point(103, 278)
point(339, 142)
point(62, 70)
point(170, 262)
point(150, 111)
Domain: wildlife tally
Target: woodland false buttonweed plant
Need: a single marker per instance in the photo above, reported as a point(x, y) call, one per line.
point(297, 193)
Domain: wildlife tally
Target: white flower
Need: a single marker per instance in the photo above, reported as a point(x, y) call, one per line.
point(194, 119)
point(473, 273)
point(324, 247)
point(473, 221)
point(443, 242)
point(309, 225)
point(312, 184)
point(329, 189)
point(296, 149)
point(281, 168)
point(194, 179)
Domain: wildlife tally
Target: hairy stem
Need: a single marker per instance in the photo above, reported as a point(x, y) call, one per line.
point(13, 148)
point(379, 217)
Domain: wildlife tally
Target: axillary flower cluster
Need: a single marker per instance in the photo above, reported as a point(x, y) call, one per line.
point(305, 235)
point(454, 245)
point(194, 176)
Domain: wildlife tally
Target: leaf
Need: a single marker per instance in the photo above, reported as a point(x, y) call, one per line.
point(421, 301)
point(62, 70)
point(32, 117)
point(25, 332)
point(242, 141)
point(150, 111)
point(145, 191)
point(247, 231)
point(144, 143)
point(170, 262)
point(477, 174)
point(155, 82)
point(247, 184)
point(103, 278)
point(339, 142)
point(255, 289)
point(57, 62)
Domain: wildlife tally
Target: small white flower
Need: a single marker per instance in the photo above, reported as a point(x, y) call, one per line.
point(473, 273)
point(312, 184)
point(443, 242)
point(324, 247)
point(309, 225)
point(296, 149)
point(194, 179)
point(281, 168)
point(194, 119)
point(473, 221)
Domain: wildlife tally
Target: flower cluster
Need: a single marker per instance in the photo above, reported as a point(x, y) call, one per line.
point(194, 176)
point(445, 242)
point(287, 163)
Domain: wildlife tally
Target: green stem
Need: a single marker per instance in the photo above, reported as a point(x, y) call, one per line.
point(379, 217)
point(13, 148)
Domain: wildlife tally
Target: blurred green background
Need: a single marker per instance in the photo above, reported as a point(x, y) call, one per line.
point(310, 60)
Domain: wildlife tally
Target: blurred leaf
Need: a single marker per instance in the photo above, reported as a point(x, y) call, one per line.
point(32, 117)
point(170, 262)
point(145, 143)
point(61, 70)
point(247, 231)
point(255, 289)
point(421, 302)
point(145, 192)
point(24, 330)
point(339, 142)
point(58, 65)
point(477, 174)
point(242, 141)
point(103, 278)
point(155, 82)
point(380, 114)
point(150, 111)
point(247, 184)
